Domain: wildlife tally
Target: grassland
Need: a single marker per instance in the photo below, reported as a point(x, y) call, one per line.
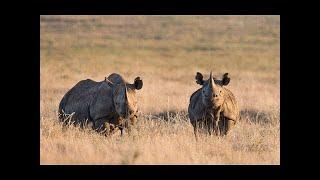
point(166, 52)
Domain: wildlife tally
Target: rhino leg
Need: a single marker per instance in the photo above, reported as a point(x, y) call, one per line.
point(121, 130)
point(99, 125)
point(229, 125)
point(222, 125)
point(130, 123)
point(195, 128)
point(127, 125)
point(120, 123)
point(210, 125)
point(216, 122)
point(110, 129)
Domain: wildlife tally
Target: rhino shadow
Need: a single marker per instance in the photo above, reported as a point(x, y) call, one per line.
point(250, 115)
point(170, 115)
point(256, 116)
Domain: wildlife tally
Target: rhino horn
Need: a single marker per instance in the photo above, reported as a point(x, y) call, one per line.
point(126, 91)
point(211, 80)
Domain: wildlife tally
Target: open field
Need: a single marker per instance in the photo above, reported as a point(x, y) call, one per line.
point(166, 52)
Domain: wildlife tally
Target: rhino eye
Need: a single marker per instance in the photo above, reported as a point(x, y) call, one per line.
point(220, 91)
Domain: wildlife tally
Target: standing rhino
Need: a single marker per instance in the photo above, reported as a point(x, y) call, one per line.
point(214, 104)
point(105, 104)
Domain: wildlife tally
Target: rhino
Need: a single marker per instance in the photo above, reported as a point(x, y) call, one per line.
point(107, 105)
point(213, 104)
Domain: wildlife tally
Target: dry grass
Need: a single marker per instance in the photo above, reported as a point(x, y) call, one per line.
point(166, 51)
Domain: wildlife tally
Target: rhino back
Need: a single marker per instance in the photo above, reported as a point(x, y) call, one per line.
point(78, 98)
point(102, 105)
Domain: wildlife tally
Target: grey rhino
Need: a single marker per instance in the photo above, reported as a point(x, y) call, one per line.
point(214, 104)
point(105, 104)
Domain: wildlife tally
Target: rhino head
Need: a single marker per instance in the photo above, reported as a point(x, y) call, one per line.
point(124, 98)
point(212, 92)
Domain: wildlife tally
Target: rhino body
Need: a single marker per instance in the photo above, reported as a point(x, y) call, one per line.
point(213, 104)
point(105, 104)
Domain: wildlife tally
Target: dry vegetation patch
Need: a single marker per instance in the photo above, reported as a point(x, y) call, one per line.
point(166, 52)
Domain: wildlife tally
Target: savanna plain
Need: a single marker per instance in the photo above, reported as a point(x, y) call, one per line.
point(166, 52)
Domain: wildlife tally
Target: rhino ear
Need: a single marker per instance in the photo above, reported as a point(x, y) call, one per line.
point(199, 78)
point(225, 79)
point(138, 83)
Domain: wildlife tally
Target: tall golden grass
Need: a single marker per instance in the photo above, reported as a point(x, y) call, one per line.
point(166, 52)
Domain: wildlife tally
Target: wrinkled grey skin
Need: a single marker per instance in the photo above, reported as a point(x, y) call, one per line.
point(214, 104)
point(105, 104)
